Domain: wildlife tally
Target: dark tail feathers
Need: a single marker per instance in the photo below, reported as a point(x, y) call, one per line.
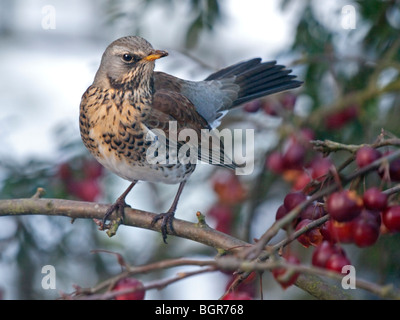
point(257, 79)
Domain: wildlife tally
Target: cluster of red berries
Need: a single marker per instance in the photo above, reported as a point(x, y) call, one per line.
point(230, 192)
point(297, 163)
point(338, 119)
point(80, 179)
point(353, 218)
point(272, 106)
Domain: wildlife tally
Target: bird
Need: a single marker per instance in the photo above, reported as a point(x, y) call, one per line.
point(129, 101)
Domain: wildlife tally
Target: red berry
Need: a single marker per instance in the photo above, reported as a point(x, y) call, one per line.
point(340, 231)
point(365, 232)
point(366, 155)
point(228, 187)
point(307, 134)
point(313, 211)
point(92, 169)
point(252, 106)
point(223, 227)
point(275, 162)
point(86, 190)
point(312, 237)
point(270, 107)
point(293, 199)
point(64, 171)
point(247, 286)
point(301, 181)
point(288, 100)
point(340, 118)
point(320, 168)
point(237, 295)
point(323, 252)
point(223, 215)
point(129, 283)
point(285, 277)
point(351, 112)
point(335, 121)
point(336, 262)
point(326, 234)
point(344, 205)
point(394, 170)
point(391, 218)
point(293, 157)
point(281, 212)
point(375, 199)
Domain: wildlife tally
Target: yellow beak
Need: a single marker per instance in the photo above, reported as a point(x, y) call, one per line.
point(156, 54)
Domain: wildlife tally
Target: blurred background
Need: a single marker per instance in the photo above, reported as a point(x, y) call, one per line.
point(347, 52)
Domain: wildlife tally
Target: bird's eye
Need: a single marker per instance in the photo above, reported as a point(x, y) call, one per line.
point(128, 57)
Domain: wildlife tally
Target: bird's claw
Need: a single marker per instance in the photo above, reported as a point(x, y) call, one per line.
point(119, 207)
point(167, 219)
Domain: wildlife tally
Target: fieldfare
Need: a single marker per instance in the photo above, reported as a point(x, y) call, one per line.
point(129, 104)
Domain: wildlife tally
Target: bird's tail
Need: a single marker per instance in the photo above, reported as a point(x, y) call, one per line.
point(257, 79)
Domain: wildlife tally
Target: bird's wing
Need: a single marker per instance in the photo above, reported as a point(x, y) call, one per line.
point(173, 113)
point(209, 98)
point(231, 86)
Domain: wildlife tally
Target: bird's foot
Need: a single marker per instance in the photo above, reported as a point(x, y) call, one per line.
point(167, 219)
point(118, 207)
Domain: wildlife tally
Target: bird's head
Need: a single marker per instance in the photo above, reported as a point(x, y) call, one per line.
point(128, 61)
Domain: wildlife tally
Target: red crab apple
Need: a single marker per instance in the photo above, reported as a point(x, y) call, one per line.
point(252, 106)
point(340, 231)
point(339, 119)
point(286, 277)
point(312, 237)
point(126, 284)
point(293, 199)
point(344, 205)
point(365, 228)
point(228, 187)
point(275, 162)
point(375, 199)
point(391, 218)
point(366, 155)
point(323, 252)
point(223, 215)
point(293, 157)
point(336, 262)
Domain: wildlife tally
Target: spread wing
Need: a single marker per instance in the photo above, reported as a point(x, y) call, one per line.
point(183, 126)
point(230, 87)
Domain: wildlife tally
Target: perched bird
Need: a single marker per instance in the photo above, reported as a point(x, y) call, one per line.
point(128, 101)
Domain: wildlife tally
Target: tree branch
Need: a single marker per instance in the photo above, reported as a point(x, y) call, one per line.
point(198, 232)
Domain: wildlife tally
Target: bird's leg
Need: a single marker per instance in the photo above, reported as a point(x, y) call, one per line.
point(119, 205)
point(168, 216)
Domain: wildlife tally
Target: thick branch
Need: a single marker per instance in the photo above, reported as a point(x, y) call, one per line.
point(135, 218)
point(198, 232)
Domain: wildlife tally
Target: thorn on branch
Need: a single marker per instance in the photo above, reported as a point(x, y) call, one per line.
point(40, 192)
point(201, 220)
